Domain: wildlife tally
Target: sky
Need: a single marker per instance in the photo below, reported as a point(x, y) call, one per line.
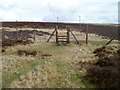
point(73, 11)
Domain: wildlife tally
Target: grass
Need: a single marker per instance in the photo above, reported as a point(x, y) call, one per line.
point(9, 77)
point(100, 42)
point(71, 74)
point(27, 65)
point(58, 69)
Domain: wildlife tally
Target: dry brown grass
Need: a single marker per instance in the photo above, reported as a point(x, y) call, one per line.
point(105, 72)
point(47, 74)
point(62, 69)
point(79, 35)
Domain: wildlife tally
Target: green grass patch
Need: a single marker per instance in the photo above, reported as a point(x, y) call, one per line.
point(70, 76)
point(9, 77)
point(9, 53)
point(99, 42)
point(67, 75)
point(26, 66)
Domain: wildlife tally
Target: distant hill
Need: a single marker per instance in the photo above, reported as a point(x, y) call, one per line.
point(108, 30)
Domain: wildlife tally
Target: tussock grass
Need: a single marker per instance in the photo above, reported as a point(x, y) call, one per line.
point(60, 70)
point(57, 71)
point(105, 72)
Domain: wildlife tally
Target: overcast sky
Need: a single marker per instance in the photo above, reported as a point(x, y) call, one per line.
point(91, 11)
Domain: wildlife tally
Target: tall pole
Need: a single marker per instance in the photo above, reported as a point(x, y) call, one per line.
point(79, 19)
point(80, 24)
point(16, 30)
point(68, 35)
point(34, 33)
point(57, 19)
point(86, 34)
point(56, 34)
point(3, 33)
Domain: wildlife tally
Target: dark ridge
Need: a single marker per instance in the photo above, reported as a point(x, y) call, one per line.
point(106, 30)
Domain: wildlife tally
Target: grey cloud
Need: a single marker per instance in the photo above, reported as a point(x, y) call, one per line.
point(90, 11)
point(64, 15)
point(7, 7)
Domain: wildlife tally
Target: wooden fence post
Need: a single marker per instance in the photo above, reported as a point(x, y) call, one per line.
point(68, 35)
point(16, 31)
point(3, 33)
point(86, 34)
point(56, 34)
point(34, 33)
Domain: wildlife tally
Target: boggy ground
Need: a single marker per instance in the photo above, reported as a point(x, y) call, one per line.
point(42, 34)
point(53, 65)
point(57, 70)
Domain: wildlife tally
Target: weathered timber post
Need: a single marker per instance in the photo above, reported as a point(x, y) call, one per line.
point(34, 33)
point(16, 30)
point(3, 33)
point(17, 33)
point(68, 35)
point(86, 34)
point(56, 34)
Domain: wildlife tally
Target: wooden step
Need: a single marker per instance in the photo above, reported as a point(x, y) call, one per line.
point(61, 36)
point(62, 41)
